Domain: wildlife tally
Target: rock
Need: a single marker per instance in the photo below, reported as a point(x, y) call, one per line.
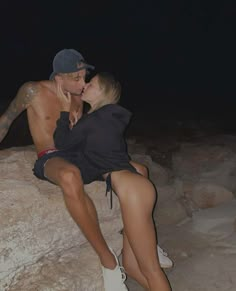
point(74, 269)
point(170, 212)
point(218, 221)
point(165, 193)
point(158, 174)
point(136, 148)
point(226, 245)
point(36, 227)
point(206, 163)
point(207, 195)
point(206, 271)
point(201, 244)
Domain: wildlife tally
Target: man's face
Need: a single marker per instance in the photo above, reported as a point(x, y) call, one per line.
point(74, 82)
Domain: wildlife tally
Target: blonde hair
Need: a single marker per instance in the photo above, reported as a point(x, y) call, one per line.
point(67, 75)
point(111, 88)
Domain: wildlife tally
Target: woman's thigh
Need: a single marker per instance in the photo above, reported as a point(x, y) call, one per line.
point(130, 186)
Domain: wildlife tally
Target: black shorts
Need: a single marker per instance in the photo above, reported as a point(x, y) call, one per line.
point(89, 173)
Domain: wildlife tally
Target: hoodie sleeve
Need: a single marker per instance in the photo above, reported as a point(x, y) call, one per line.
point(64, 137)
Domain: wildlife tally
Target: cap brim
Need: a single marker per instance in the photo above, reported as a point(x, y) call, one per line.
point(53, 74)
point(85, 66)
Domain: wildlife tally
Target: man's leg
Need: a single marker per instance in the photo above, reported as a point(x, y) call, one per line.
point(137, 210)
point(79, 205)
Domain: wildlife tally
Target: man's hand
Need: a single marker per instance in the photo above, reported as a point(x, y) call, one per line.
point(65, 99)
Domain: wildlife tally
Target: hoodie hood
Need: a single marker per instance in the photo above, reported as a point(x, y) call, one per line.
point(117, 112)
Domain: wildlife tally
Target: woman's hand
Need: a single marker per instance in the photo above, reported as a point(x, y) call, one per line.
point(74, 117)
point(65, 99)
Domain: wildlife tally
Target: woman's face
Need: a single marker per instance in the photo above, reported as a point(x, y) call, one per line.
point(92, 91)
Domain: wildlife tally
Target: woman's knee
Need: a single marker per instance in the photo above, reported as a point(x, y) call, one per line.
point(138, 197)
point(143, 170)
point(140, 168)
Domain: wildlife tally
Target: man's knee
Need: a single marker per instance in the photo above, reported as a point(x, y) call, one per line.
point(71, 183)
point(69, 176)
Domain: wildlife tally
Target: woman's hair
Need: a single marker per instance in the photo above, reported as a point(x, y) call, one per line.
point(111, 88)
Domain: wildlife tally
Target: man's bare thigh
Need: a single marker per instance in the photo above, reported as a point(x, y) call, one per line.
point(55, 166)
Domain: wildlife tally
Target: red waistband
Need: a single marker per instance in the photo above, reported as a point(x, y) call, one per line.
point(45, 152)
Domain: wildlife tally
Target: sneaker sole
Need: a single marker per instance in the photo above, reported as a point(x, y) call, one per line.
point(166, 266)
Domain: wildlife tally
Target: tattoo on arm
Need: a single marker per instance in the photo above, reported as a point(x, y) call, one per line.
point(21, 102)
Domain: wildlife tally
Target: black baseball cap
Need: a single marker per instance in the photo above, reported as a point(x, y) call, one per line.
point(68, 61)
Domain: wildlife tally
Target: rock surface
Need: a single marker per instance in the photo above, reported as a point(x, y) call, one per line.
point(196, 209)
point(41, 247)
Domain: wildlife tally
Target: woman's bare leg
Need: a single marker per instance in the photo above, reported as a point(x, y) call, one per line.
point(140, 168)
point(138, 224)
point(164, 260)
point(130, 263)
point(129, 260)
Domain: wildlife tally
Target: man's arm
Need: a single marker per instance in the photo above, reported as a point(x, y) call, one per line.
point(21, 102)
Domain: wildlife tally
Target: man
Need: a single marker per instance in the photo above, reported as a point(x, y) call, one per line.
point(43, 108)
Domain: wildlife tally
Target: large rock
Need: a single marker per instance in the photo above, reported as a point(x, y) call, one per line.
point(74, 269)
point(206, 163)
point(158, 175)
point(206, 271)
point(207, 195)
point(218, 221)
point(39, 239)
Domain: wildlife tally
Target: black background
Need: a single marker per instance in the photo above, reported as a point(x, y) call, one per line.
point(175, 59)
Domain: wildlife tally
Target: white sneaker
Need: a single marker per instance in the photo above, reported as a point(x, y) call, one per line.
point(165, 262)
point(114, 279)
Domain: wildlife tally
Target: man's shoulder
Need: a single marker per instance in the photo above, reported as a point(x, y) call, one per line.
point(30, 87)
point(36, 88)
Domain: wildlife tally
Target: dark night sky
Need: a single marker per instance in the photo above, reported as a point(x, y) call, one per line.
point(179, 54)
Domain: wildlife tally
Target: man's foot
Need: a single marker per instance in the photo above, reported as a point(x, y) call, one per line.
point(114, 279)
point(165, 262)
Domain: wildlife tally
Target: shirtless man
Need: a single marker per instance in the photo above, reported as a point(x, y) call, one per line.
point(43, 108)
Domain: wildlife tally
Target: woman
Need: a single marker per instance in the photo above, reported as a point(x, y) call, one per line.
point(98, 148)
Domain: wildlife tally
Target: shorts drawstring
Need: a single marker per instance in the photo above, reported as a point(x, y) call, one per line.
point(109, 188)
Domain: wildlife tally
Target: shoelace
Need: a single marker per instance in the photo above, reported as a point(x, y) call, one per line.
point(123, 275)
point(162, 252)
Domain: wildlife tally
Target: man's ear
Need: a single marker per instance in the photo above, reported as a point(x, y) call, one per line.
point(58, 79)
